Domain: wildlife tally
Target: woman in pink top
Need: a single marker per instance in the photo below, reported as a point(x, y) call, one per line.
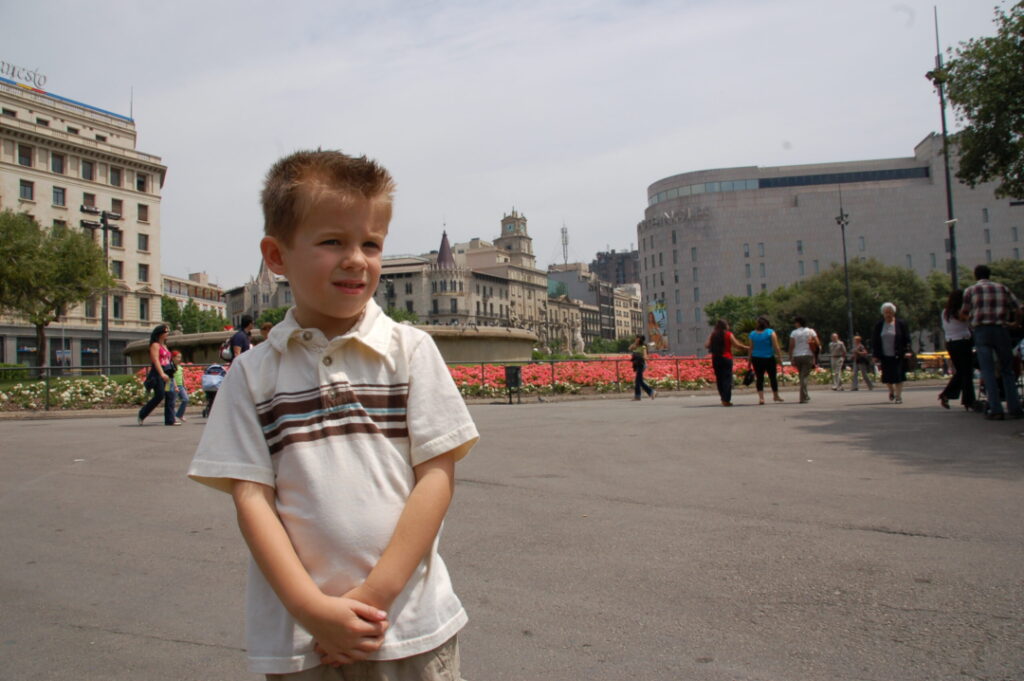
point(159, 377)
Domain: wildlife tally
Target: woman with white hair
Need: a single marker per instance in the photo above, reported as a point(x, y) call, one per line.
point(890, 344)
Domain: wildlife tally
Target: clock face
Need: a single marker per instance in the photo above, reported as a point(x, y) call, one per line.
point(509, 228)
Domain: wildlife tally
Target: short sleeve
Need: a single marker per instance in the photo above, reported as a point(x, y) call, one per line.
point(232, 446)
point(437, 416)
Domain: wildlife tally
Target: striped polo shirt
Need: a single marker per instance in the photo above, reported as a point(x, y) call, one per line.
point(335, 427)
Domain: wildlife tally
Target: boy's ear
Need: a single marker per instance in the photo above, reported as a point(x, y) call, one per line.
point(272, 254)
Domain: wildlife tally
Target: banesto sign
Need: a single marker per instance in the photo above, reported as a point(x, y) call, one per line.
point(33, 78)
point(675, 217)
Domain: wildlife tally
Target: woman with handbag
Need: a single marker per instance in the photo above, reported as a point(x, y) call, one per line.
point(639, 359)
point(159, 377)
point(721, 343)
point(959, 345)
point(890, 343)
point(803, 353)
point(764, 354)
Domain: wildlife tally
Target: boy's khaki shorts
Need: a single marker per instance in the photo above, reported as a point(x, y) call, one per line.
point(440, 664)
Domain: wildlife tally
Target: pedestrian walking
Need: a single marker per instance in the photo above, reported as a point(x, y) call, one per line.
point(837, 358)
point(639, 359)
point(803, 353)
point(960, 347)
point(721, 343)
point(890, 343)
point(991, 307)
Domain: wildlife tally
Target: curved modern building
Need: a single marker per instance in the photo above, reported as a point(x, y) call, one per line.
point(738, 231)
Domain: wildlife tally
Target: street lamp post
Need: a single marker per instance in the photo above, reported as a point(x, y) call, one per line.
point(104, 224)
point(842, 220)
point(938, 77)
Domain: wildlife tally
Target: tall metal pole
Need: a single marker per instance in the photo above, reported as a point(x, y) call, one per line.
point(938, 77)
point(842, 220)
point(104, 307)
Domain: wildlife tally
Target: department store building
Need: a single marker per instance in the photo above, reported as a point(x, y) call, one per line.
point(739, 231)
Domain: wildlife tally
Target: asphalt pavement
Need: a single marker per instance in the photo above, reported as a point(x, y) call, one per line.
point(844, 539)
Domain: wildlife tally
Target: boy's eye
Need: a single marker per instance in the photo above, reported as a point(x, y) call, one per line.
point(329, 242)
point(372, 245)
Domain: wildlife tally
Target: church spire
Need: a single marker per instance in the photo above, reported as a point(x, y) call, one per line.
point(445, 259)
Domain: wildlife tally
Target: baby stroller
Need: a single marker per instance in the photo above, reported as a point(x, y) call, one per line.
point(212, 378)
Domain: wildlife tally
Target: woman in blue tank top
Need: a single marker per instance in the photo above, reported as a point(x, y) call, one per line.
point(764, 352)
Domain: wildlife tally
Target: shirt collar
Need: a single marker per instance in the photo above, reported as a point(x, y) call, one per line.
point(372, 330)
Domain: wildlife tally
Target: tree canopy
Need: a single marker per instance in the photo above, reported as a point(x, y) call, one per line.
point(44, 272)
point(274, 315)
point(985, 85)
point(188, 318)
point(821, 299)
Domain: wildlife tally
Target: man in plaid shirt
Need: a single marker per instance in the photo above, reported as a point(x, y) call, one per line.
point(991, 306)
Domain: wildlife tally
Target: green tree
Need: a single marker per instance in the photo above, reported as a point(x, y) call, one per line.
point(985, 84)
point(274, 315)
point(400, 315)
point(1009, 272)
point(190, 317)
point(43, 272)
point(170, 312)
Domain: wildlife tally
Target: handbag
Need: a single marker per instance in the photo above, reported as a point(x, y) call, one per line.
point(748, 376)
point(813, 344)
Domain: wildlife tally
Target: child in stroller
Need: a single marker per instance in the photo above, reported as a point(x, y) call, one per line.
point(212, 378)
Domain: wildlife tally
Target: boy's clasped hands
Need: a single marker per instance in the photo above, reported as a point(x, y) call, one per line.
point(346, 629)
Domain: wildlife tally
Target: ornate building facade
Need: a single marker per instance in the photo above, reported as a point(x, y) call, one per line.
point(56, 157)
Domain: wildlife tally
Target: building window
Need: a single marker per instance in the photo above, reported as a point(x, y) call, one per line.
point(101, 138)
point(118, 307)
point(72, 131)
point(408, 288)
point(10, 112)
point(746, 267)
point(750, 290)
point(27, 191)
point(143, 308)
point(696, 314)
point(984, 214)
point(435, 305)
point(43, 122)
point(57, 163)
point(117, 269)
point(1016, 254)
point(141, 181)
point(1013, 234)
point(761, 268)
point(695, 274)
point(455, 305)
point(661, 260)
point(89, 200)
point(60, 224)
point(408, 306)
point(143, 242)
point(861, 244)
point(115, 177)
point(673, 236)
point(799, 246)
point(816, 268)
point(760, 249)
point(800, 267)
point(88, 170)
point(910, 262)
point(25, 155)
point(693, 254)
point(59, 197)
point(143, 213)
point(90, 307)
point(988, 255)
point(696, 294)
point(675, 256)
point(746, 250)
point(988, 235)
point(143, 272)
point(931, 258)
point(117, 206)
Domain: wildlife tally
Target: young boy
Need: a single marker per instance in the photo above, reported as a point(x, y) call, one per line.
point(180, 391)
point(337, 440)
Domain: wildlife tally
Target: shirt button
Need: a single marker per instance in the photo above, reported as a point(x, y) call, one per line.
point(307, 335)
point(327, 361)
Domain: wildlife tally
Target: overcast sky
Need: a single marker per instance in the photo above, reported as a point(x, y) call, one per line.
point(566, 111)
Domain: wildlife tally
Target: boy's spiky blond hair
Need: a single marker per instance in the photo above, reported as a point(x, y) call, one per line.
point(295, 181)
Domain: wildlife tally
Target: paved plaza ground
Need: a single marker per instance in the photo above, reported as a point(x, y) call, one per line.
point(845, 539)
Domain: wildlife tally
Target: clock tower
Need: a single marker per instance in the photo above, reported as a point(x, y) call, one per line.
point(515, 241)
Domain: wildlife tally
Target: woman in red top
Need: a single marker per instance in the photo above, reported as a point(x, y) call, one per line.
point(721, 343)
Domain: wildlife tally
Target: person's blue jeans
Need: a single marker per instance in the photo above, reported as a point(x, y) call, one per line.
point(992, 342)
point(640, 384)
point(182, 396)
point(167, 397)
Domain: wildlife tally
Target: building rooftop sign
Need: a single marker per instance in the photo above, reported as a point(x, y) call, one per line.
point(33, 78)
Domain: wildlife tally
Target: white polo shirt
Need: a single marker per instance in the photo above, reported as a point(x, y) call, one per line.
point(336, 428)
